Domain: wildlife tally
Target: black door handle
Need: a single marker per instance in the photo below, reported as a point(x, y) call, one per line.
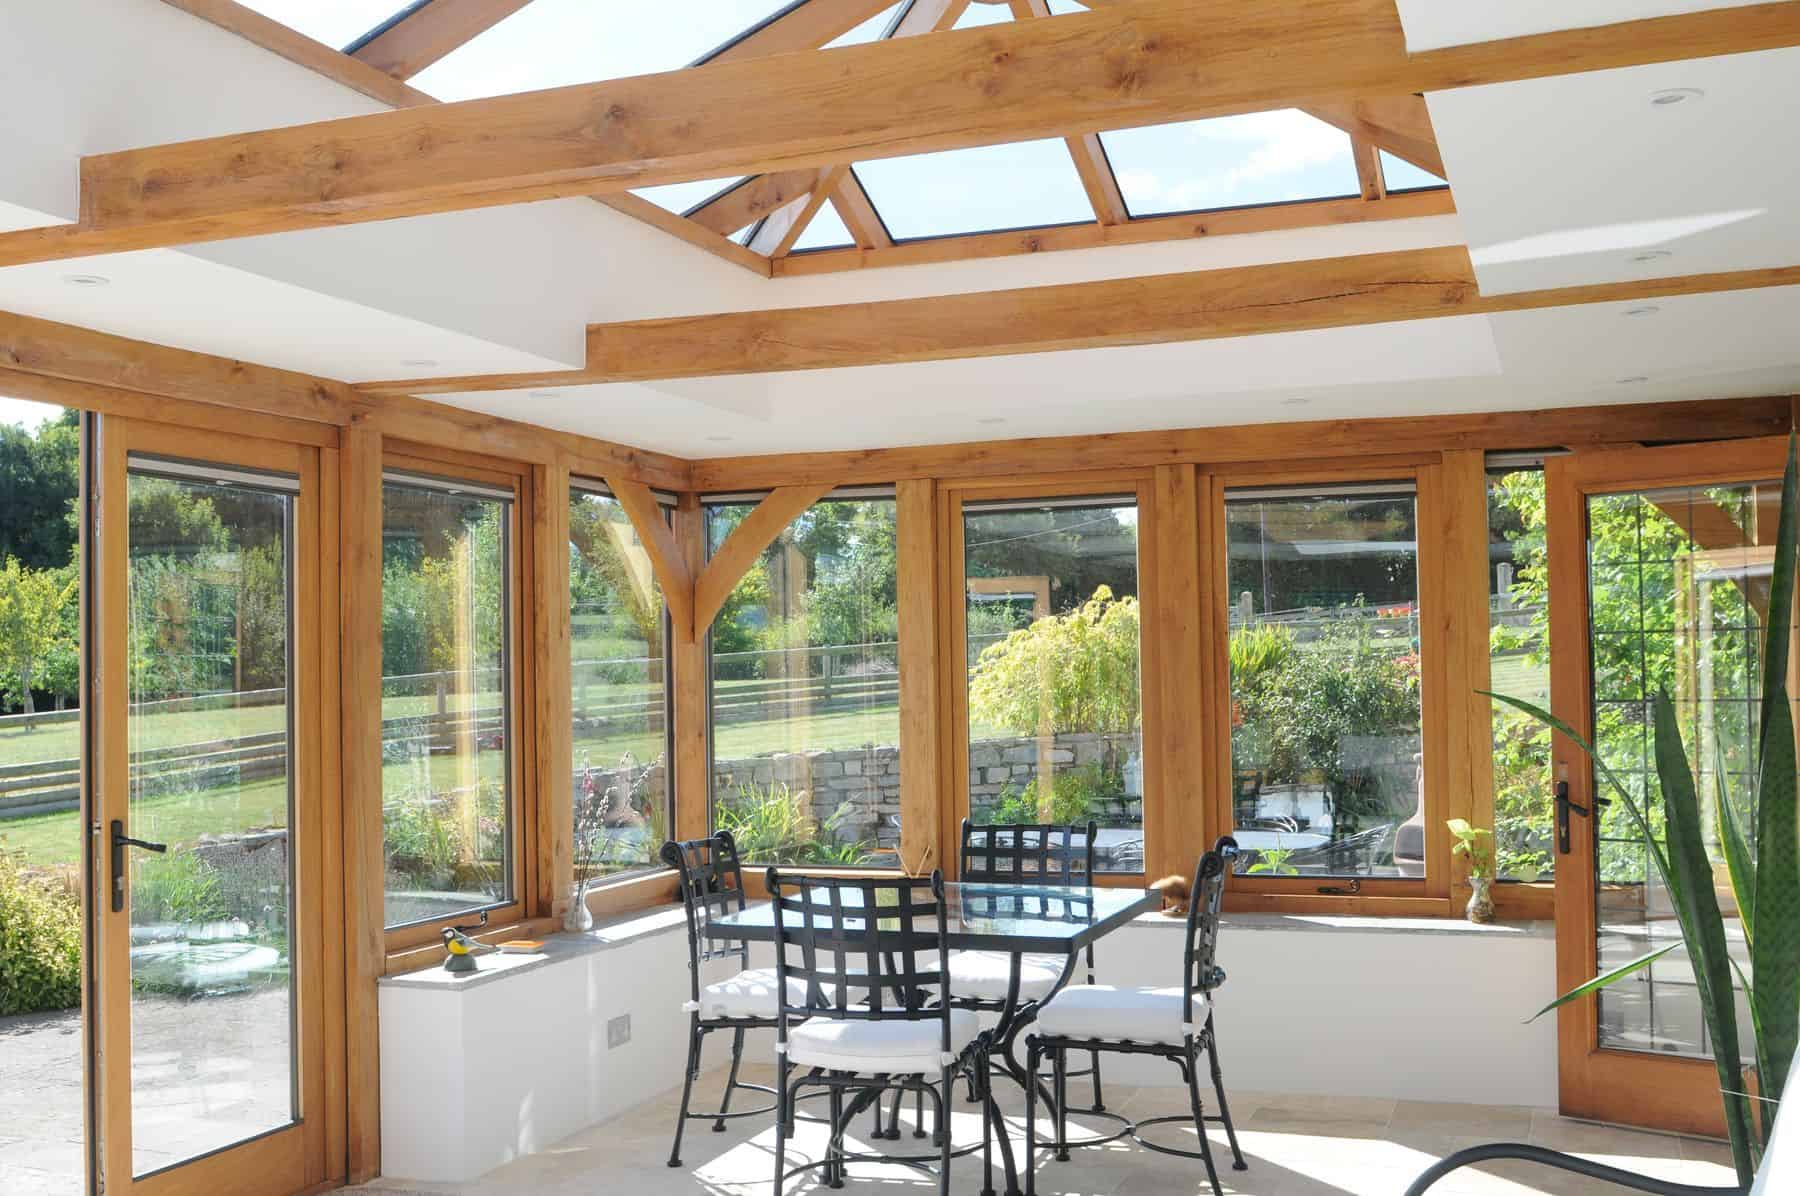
point(120, 841)
point(1563, 807)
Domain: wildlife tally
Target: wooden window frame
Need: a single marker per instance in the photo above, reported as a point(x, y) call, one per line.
point(532, 864)
point(623, 891)
point(1427, 896)
point(699, 541)
point(953, 726)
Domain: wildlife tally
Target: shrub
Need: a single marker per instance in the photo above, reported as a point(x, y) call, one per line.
point(180, 888)
point(40, 943)
point(1076, 794)
point(774, 825)
point(1075, 672)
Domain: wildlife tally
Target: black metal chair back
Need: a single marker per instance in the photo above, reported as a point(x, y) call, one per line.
point(1201, 973)
point(1028, 853)
point(865, 949)
point(712, 886)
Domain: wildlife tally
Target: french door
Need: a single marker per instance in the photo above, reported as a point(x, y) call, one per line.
point(1660, 563)
point(207, 822)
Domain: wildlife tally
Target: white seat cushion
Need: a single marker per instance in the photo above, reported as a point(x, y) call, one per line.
point(751, 993)
point(896, 1047)
point(1110, 1013)
point(984, 975)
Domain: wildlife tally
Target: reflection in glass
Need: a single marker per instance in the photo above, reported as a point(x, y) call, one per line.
point(1519, 666)
point(1327, 777)
point(210, 643)
point(806, 689)
point(1056, 732)
point(1679, 581)
point(619, 699)
point(445, 778)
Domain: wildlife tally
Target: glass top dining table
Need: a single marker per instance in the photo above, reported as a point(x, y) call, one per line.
point(1014, 918)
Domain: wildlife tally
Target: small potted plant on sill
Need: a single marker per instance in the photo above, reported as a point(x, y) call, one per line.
point(1477, 844)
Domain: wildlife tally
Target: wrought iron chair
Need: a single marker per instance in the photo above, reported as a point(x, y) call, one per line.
point(712, 885)
point(890, 1030)
point(1022, 854)
point(1174, 1023)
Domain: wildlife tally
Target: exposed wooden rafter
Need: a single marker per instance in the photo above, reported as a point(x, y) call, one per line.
point(1401, 125)
point(1085, 150)
point(1159, 309)
point(421, 36)
point(1149, 62)
point(360, 76)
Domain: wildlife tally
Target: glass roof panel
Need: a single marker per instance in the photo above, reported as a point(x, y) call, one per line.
point(682, 198)
point(1023, 185)
point(1062, 8)
point(1230, 162)
point(337, 23)
point(870, 30)
point(1402, 175)
point(556, 43)
point(983, 14)
point(824, 231)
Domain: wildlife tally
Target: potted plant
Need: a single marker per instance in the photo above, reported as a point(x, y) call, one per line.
point(1476, 844)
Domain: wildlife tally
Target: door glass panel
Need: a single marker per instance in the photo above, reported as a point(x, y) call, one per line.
point(210, 640)
point(1678, 583)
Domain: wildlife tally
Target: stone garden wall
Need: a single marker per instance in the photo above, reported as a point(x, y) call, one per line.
point(867, 780)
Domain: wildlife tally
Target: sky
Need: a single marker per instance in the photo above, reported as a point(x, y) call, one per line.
point(26, 414)
point(1264, 157)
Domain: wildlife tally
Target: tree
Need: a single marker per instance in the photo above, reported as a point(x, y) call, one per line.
point(1073, 672)
point(39, 481)
point(31, 605)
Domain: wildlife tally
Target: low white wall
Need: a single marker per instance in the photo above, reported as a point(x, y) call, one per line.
point(475, 1072)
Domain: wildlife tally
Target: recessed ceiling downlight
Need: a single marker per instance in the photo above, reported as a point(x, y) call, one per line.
point(1633, 380)
point(991, 419)
point(1643, 309)
point(1645, 257)
point(719, 439)
point(419, 363)
point(1668, 97)
point(1295, 401)
point(87, 280)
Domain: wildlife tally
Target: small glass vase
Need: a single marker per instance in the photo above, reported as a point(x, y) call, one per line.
point(1481, 899)
point(578, 917)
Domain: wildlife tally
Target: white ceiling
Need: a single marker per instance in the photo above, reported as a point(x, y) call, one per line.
point(1557, 181)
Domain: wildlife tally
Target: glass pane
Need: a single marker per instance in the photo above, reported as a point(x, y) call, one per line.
point(555, 43)
point(806, 690)
point(1519, 664)
point(337, 23)
point(1325, 751)
point(824, 231)
point(41, 836)
point(619, 700)
point(1401, 175)
point(1056, 731)
point(682, 198)
point(1680, 576)
point(1023, 185)
point(870, 30)
point(1230, 162)
point(209, 634)
point(445, 781)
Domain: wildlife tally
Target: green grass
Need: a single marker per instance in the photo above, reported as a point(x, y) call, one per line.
point(1517, 677)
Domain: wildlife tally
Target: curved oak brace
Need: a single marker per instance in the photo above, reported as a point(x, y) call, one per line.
point(665, 554)
point(745, 543)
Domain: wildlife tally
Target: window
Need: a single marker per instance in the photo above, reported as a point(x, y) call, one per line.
point(1324, 648)
point(1519, 666)
point(336, 23)
point(446, 727)
point(806, 689)
point(618, 691)
point(1230, 162)
point(1056, 728)
point(1401, 175)
point(1026, 184)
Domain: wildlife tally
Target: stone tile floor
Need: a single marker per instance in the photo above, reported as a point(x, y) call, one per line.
point(1295, 1145)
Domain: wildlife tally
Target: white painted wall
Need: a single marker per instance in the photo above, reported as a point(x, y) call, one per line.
point(474, 1074)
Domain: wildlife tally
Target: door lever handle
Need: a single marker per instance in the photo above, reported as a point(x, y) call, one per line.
point(1563, 808)
point(120, 841)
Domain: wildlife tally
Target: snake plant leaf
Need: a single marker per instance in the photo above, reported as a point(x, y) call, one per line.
point(1690, 883)
point(1739, 863)
point(1775, 953)
point(1781, 589)
point(1603, 979)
